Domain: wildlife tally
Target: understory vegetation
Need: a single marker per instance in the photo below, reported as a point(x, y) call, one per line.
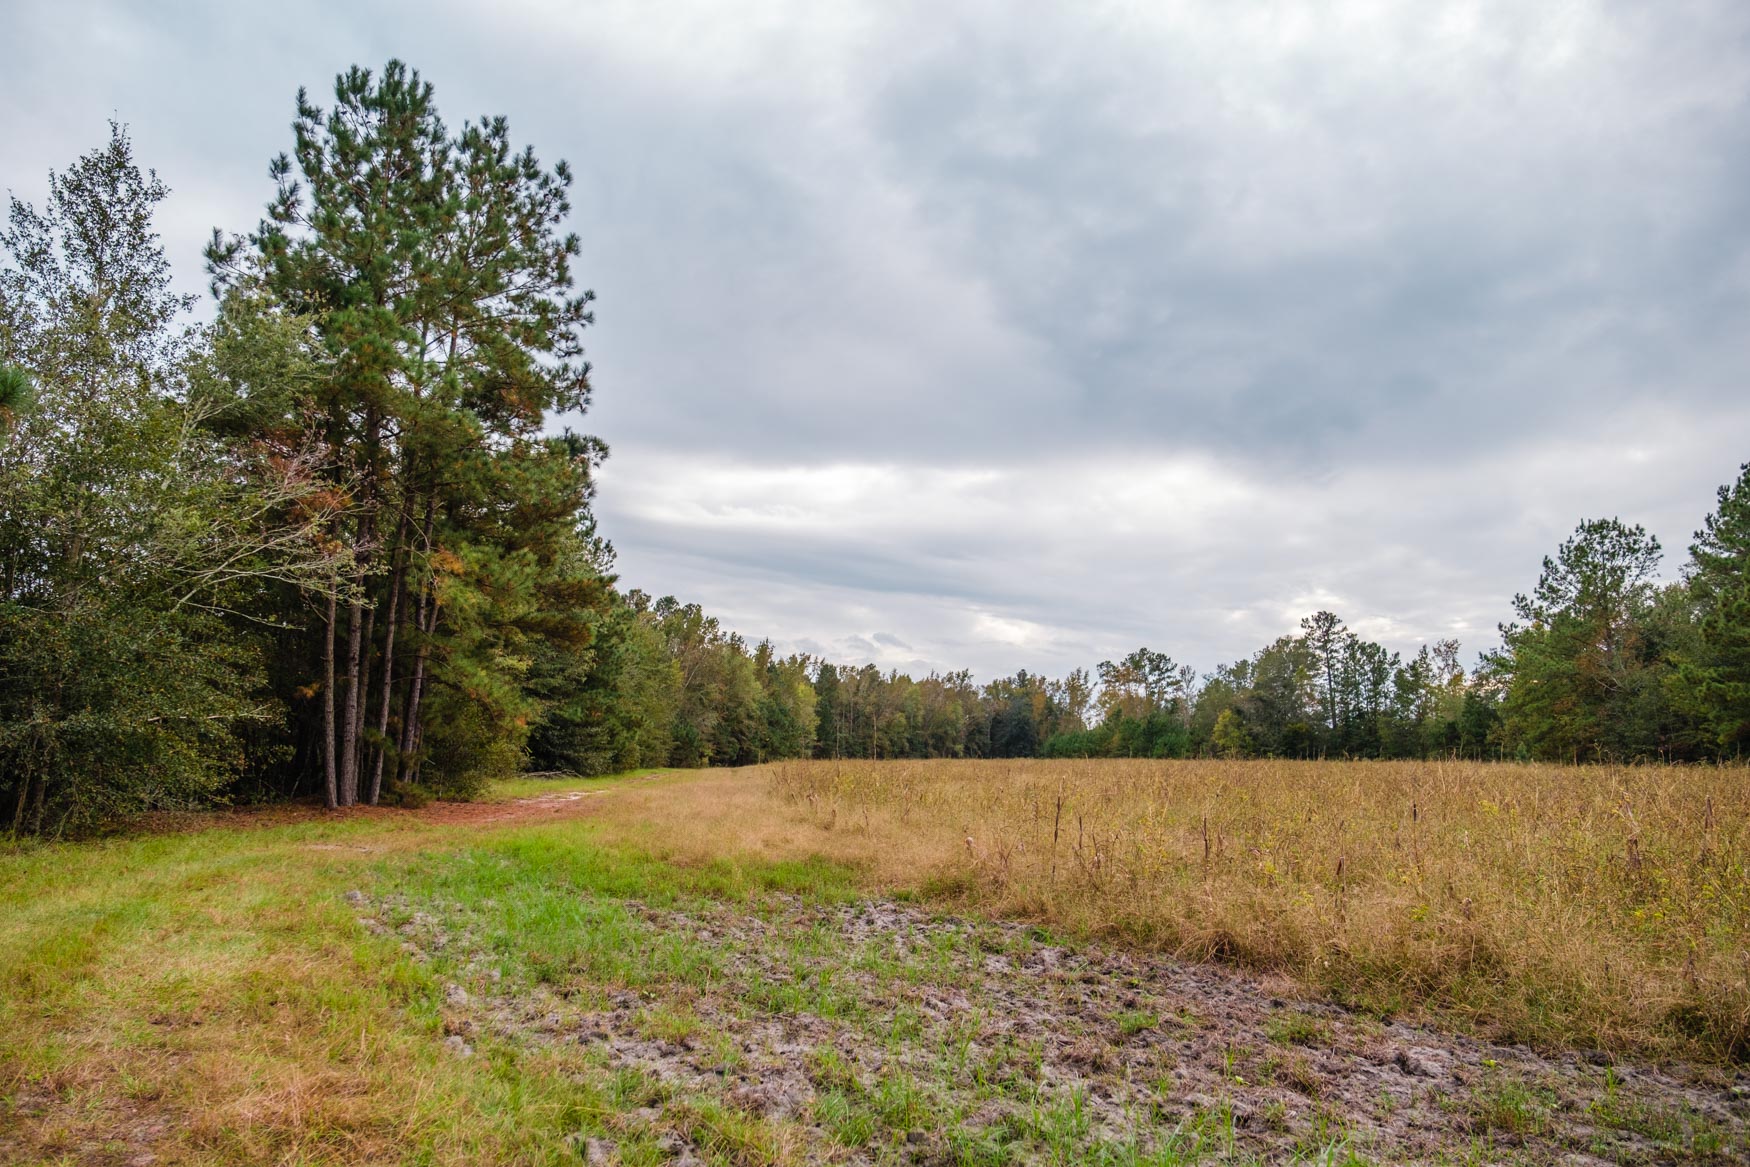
point(329, 546)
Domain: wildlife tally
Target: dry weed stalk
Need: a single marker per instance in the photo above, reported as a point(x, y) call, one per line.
point(1591, 904)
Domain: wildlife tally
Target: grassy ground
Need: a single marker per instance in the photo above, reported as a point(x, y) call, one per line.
point(331, 989)
point(209, 997)
point(1597, 906)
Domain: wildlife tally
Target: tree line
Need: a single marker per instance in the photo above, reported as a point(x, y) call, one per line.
point(1602, 663)
point(327, 546)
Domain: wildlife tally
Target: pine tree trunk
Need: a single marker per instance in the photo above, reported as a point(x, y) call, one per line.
point(397, 585)
point(418, 742)
point(413, 683)
point(416, 686)
point(358, 632)
point(349, 775)
point(330, 792)
point(364, 687)
point(410, 730)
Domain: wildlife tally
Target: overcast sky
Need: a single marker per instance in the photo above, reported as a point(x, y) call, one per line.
point(1011, 335)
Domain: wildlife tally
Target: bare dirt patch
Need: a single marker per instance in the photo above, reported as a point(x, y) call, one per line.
point(555, 806)
point(877, 1032)
point(561, 804)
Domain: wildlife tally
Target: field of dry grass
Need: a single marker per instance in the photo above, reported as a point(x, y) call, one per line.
point(1582, 907)
point(808, 963)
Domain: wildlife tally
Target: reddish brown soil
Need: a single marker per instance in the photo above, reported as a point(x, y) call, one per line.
point(561, 804)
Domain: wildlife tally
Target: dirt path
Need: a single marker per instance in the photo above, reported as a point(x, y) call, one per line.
point(559, 805)
point(554, 806)
point(886, 1034)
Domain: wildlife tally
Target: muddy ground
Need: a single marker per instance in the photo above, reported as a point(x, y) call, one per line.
point(878, 1032)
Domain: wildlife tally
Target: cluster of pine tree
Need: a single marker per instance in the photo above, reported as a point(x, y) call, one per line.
point(325, 545)
point(321, 545)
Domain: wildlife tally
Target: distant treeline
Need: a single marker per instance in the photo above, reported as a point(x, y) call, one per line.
point(1602, 664)
point(325, 545)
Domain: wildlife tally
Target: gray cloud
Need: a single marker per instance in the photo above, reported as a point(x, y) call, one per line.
point(1020, 335)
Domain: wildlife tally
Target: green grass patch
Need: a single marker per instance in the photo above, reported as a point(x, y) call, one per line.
point(220, 978)
point(1298, 1028)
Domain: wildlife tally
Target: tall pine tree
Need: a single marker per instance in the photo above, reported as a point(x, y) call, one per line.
point(438, 279)
point(1714, 676)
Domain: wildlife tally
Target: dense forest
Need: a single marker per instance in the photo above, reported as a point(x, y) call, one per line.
point(327, 544)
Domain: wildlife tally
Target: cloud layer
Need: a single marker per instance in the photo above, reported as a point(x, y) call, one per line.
point(1025, 334)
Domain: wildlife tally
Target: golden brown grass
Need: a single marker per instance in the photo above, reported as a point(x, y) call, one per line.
point(1597, 906)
